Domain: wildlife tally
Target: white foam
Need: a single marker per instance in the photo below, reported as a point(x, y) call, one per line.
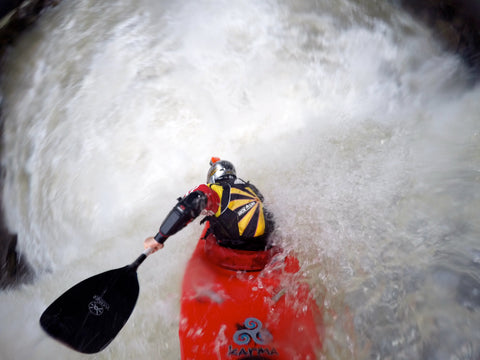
point(113, 111)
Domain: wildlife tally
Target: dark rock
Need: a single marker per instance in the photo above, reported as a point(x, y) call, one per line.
point(455, 22)
point(14, 269)
point(8, 5)
point(18, 15)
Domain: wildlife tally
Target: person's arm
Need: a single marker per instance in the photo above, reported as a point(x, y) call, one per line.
point(187, 209)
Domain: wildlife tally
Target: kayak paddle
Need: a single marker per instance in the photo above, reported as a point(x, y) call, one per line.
point(88, 316)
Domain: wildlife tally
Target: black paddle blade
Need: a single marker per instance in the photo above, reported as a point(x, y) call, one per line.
point(88, 316)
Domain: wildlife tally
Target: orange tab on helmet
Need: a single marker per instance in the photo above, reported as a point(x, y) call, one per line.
point(214, 159)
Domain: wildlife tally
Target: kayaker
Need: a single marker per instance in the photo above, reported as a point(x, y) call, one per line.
point(278, 313)
point(234, 210)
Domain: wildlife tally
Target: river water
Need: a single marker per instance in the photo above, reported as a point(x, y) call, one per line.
point(359, 129)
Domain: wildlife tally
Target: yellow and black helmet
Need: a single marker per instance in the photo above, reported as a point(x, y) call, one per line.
point(220, 170)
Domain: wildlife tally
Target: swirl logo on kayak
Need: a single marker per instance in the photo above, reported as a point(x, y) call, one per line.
point(253, 331)
point(97, 306)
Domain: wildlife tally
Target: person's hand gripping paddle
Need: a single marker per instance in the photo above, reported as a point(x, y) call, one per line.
point(88, 316)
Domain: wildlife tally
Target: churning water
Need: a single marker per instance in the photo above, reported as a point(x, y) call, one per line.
point(361, 132)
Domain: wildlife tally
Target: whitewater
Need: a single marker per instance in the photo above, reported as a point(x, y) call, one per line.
point(359, 129)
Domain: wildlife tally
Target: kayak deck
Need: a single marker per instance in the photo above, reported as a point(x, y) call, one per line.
point(227, 314)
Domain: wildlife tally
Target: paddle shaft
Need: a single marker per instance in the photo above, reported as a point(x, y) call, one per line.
point(138, 261)
point(158, 238)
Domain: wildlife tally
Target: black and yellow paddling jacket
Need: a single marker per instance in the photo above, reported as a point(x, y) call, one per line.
point(241, 220)
point(237, 216)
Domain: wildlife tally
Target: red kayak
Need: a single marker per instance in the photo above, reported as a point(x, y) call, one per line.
point(247, 305)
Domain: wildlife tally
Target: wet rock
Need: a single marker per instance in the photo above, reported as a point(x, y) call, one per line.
point(18, 15)
point(455, 22)
point(8, 5)
point(14, 269)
